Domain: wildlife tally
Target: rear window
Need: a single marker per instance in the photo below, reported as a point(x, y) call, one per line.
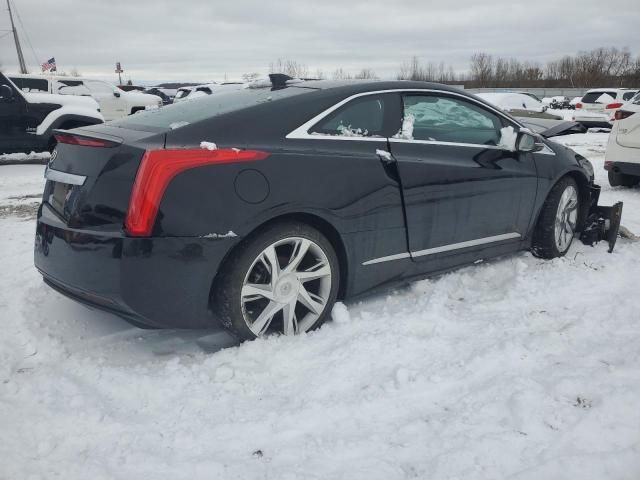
point(183, 113)
point(592, 97)
point(31, 84)
point(628, 95)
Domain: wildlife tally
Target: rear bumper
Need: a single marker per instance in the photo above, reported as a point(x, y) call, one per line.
point(625, 168)
point(159, 282)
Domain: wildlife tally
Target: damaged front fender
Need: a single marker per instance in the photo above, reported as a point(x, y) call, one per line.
point(602, 223)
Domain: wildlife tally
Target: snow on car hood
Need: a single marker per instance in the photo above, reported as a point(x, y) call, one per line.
point(66, 100)
point(142, 98)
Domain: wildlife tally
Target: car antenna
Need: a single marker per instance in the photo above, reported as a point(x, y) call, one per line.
point(279, 80)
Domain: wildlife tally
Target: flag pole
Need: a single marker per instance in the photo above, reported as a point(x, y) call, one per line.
point(23, 66)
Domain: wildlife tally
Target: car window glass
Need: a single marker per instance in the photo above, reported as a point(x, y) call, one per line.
point(449, 119)
point(628, 96)
point(593, 97)
point(360, 117)
point(636, 99)
point(188, 112)
point(31, 84)
point(100, 87)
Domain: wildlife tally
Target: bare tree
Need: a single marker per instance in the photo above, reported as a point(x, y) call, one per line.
point(365, 74)
point(482, 68)
point(292, 68)
point(340, 74)
point(250, 77)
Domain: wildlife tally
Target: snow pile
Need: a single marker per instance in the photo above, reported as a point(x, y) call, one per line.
point(229, 234)
point(25, 158)
point(208, 145)
point(514, 368)
point(508, 138)
point(349, 131)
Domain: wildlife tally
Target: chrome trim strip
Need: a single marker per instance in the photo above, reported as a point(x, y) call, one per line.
point(454, 144)
point(546, 151)
point(445, 248)
point(468, 243)
point(63, 177)
point(388, 258)
point(302, 132)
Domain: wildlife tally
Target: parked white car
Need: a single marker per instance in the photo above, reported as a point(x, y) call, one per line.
point(189, 93)
point(622, 159)
point(513, 101)
point(114, 102)
point(599, 105)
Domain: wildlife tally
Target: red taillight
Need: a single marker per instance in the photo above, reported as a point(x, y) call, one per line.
point(578, 105)
point(159, 167)
point(84, 141)
point(622, 114)
point(613, 105)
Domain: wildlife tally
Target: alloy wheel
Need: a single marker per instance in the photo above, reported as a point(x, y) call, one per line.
point(566, 218)
point(286, 287)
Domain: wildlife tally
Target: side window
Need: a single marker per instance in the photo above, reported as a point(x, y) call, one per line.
point(628, 95)
point(99, 88)
point(71, 87)
point(362, 117)
point(449, 119)
point(31, 84)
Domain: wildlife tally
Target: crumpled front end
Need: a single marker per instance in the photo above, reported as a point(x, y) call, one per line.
point(602, 223)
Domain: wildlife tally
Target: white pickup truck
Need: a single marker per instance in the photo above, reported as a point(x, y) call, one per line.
point(114, 102)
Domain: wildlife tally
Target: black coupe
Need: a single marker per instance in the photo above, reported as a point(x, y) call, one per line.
point(257, 208)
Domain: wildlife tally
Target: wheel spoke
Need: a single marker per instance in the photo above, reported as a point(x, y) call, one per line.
point(260, 325)
point(290, 322)
point(270, 259)
point(300, 249)
point(319, 270)
point(310, 300)
point(254, 291)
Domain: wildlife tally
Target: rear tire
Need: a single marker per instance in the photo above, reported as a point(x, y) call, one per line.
point(557, 222)
point(251, 300)
point(622, 180)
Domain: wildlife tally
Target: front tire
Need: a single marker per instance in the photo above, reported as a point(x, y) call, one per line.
point(283, 280)
point(558, 220)
point(622, 180)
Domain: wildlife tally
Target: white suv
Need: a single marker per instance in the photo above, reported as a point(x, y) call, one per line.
point(622, 158)
point(599, 105)
point(114, 103)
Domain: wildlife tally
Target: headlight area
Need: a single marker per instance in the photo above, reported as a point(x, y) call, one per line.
point(586, 165)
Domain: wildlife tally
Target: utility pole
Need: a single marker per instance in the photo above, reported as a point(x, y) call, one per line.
point(23, 66)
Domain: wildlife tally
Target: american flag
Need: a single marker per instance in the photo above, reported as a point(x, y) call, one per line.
point(49, 65)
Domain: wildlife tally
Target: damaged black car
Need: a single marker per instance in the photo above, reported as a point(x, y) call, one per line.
point(256, 209)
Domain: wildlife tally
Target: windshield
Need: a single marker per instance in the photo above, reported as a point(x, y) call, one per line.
point(191, 111)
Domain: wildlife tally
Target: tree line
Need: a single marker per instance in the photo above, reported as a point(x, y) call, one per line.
point(605, 66)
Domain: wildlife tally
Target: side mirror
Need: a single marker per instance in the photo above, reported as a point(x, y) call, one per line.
point(116, 94)
point(528, 142)
point(6, 93)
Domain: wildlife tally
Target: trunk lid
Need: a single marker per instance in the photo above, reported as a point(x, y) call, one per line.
point(89, 186)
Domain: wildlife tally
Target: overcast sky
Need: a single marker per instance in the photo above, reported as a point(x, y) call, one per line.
point(203, 40)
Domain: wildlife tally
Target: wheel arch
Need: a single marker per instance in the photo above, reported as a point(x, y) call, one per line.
point(319, 223)
point(584, 191)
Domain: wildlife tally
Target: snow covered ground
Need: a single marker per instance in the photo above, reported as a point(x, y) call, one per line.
point(517, 368)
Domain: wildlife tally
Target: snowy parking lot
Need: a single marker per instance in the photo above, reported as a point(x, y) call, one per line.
point(517, 368)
